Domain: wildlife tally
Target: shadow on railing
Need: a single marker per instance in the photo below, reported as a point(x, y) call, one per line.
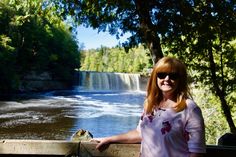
point(86, 149)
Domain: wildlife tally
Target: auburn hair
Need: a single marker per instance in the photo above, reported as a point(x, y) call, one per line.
point(181, 93)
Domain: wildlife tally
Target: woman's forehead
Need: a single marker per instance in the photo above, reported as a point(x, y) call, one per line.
point(166, 68)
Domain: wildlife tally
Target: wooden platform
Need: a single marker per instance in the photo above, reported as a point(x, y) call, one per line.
point(86, 149)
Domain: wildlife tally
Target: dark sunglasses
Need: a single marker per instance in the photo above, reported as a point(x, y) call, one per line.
point(172, 76)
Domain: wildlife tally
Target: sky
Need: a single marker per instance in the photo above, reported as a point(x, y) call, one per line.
point(92, 39)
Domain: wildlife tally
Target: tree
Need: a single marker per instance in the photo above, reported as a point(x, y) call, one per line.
point(198, 32)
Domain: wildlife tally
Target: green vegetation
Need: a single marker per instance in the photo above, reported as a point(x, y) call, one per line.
point(33, 38)
point(116, 60)
point(214, 119)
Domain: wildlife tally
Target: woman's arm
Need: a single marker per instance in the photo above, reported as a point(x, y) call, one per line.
point(196, 131)
point(132, 136)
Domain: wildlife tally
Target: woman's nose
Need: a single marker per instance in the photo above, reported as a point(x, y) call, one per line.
point(167, 77)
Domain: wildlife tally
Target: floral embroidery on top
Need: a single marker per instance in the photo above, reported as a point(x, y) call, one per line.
point(150, 117)
point(166, 127)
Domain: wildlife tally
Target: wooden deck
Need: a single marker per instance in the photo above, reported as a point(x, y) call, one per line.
point(86, 149)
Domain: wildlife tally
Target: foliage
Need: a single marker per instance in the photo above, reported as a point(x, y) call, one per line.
point(215, 123)
point(8, 58)
point(115, 60)
point(33, 38)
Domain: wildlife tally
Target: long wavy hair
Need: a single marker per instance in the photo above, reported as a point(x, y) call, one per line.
point(181, 93)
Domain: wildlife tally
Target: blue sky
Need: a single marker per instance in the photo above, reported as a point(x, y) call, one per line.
point(92, 39)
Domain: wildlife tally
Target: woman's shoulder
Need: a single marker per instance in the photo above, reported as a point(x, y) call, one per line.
point(191, 104)
point(193, 110)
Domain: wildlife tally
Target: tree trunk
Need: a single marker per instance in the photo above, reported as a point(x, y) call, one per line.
point(220, 93)
point(148, 35)
point(154, 47)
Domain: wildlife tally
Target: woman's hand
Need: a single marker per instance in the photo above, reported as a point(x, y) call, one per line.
point(132, 136)
point(101, 142)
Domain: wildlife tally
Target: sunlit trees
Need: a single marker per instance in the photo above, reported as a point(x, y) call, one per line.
point(115, 60)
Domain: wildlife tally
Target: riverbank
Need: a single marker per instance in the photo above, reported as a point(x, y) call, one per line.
point(34, 82)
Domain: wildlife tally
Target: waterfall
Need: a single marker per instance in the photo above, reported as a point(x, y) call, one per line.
point(108, 81)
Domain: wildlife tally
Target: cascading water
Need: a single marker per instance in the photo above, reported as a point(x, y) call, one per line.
point(108, 81)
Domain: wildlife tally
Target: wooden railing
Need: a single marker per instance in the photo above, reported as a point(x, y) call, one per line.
point(86, 149)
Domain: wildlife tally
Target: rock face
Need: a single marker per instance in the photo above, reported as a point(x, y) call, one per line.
point(81, 135)
point(227, 139)
point(34, 82)
point(143, 82)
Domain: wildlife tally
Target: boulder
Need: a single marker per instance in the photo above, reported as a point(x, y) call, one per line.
point(81, 135)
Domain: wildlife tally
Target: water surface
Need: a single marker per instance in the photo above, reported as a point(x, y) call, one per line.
point(57, 115)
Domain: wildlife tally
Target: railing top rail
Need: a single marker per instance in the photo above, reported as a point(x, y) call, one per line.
point(65, 148)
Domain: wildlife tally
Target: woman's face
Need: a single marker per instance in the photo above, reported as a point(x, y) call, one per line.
point(167, 82)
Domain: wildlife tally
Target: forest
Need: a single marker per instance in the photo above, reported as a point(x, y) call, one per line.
point(38, 35)
point(34, 38)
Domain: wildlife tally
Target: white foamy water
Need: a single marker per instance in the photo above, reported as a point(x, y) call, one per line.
point(60, 113)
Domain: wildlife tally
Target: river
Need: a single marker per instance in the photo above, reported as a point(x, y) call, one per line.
point(56, 115)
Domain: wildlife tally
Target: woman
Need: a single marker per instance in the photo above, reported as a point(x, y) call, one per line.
point(171, 124)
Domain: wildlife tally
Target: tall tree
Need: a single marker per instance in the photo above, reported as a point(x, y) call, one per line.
point(197, 31)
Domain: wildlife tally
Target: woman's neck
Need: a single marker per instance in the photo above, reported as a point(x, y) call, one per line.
point(168, 96)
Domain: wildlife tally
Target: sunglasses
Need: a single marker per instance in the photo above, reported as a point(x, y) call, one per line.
point(172, 76)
